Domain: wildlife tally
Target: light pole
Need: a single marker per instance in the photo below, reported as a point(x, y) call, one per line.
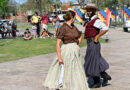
point(123, 13)
point(115, 11)
point(20, 11)
point(15, 7)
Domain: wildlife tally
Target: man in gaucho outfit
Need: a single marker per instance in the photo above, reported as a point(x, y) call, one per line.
point(95, 65)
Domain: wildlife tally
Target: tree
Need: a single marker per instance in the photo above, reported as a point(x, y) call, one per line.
point(82, 3)
point(111, 3)
point(39, 5)
point(3, 6)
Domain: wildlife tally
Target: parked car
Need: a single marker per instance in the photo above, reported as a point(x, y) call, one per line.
point(52, 17)
point(1, 22)
point(126, 26)
point(5, 21)
point(61, 17)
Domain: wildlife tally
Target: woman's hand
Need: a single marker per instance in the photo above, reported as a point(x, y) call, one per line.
point(60, 60)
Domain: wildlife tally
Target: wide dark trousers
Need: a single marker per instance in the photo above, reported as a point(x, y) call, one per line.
point(94, 62)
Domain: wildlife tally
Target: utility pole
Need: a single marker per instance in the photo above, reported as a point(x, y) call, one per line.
point(20, 12)
point(115, 11)
point(38, 5)
point(123, 13)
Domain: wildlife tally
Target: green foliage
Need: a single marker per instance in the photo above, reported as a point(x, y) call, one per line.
point(45, 4)
point(71, 3)
point(3, 5)
point(111, 3)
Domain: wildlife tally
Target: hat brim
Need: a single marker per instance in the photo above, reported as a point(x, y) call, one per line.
point(91, 7)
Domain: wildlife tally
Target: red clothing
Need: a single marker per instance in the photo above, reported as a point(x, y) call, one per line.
point(90, 30)
point(45, 19)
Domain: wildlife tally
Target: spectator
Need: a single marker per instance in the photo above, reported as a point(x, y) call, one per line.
point(27, 35)
point(34, 28)
point(57, 23)
point(8, 28)
point(44, 21)
point(36, 20)
point(2, 31)
point(14, 30)
point(44, 34)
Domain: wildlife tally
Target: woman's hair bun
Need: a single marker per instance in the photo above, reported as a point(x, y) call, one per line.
point(66, 17)
point(70, 14)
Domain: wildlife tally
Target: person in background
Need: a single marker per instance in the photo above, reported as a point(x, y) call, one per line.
point(2, 31)
point(27, 35)
point(36, 20)
point(5, 29)
point(44, 34)
point(44, 21)
point(57, 24)
point(34, 28)
point(14, 30)
point(8, 29)
point(95, 65)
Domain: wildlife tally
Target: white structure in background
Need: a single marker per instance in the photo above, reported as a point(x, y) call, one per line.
point(126, 26)
point(29, 14)
point(87, 1)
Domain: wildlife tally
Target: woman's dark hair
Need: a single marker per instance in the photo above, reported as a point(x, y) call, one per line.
point(69, 15)
point(27, 29)
point(36, 13)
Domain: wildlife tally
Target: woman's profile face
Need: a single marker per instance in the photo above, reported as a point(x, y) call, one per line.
point(73, 19)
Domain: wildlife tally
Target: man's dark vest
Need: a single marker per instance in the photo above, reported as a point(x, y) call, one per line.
point(90, 30)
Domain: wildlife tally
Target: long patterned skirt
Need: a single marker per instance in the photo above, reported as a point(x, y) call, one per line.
point(73, 76)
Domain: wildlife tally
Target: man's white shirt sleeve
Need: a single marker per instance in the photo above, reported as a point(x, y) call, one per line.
point(100, 25)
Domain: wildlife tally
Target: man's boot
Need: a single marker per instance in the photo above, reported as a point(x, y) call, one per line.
point(97, 83)
point(105, 77)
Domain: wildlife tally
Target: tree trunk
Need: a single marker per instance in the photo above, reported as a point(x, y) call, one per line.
point(38, 6)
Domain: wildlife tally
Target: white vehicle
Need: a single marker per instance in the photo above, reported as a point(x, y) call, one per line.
point(127, 26)
point(60, 15)
point(5, 21)
point(52, 18)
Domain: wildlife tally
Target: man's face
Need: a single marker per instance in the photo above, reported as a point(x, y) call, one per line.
point(90, 12)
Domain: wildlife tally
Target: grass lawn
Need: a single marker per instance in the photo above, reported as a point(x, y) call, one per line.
point(18, 48)
point(27, 25)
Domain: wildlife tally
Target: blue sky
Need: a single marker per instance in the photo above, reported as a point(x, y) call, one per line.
point(67, 0)
point(22, 1)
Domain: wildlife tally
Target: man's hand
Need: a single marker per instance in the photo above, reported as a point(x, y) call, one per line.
point(95, 40)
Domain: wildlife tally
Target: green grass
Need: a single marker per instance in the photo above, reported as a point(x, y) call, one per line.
point(18, 48)
point(27, 25)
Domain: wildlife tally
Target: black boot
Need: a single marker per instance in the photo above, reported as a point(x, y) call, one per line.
point(97, 83)
point(105, 77)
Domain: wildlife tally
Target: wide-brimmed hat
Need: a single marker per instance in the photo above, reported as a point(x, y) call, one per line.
point(91, 5)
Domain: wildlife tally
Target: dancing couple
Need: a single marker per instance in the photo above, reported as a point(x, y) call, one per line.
point(68, 70)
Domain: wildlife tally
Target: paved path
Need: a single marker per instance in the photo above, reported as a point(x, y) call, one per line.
point(29, 73)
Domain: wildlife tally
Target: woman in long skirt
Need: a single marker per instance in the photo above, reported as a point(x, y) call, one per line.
point(66, 71)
